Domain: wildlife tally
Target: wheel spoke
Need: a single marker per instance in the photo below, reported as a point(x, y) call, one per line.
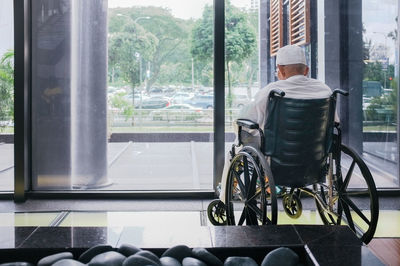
point(350, 203)
point(241, 185)
point(246, 171)
point(250, 216)
point(356, 193)
point(252, 186)
point(349, 219)
point(331, 218)
point(255, 209)
point(254, 196)
point(348, 176)
point(242, 217)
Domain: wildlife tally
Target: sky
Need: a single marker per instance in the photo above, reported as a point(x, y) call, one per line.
point(379, 19)
point(182, 9)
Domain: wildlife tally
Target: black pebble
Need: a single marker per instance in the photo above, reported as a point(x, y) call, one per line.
point(240, 261)
point(109, 258)
point(136, 260)
point(169, 261)
point(93, 251)
point(281, 256)
point(49, 260)
point(178, 252)
point(189, 261)
point(18, 263)
point(149, 255)
point(206, 256)
point(68, 262)
point(128, 249)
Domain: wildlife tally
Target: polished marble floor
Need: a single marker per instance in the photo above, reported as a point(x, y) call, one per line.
point(163, 229)
point(316, 245)
point(388, 225)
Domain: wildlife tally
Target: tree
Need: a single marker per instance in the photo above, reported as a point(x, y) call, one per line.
point(7, 86)
point(374, 71)
point(240, 39)
point(384, 108)
point(171, 47)
point(127, 48)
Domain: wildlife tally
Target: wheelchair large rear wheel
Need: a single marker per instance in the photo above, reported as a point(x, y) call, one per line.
point(250, 197)
point(354, 196)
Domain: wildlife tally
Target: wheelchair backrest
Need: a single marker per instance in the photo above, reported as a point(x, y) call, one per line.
point(298, 136)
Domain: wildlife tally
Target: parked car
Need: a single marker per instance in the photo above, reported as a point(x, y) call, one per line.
point(372, 89)
point(177, 112)
point(180, 97)
point(240, 100)
point(201, 101)
point(169, 91)
point(155, 91)
point(155, 103)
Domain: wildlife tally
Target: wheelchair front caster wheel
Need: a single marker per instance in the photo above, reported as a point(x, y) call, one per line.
point(216, 212)
point(292, 205)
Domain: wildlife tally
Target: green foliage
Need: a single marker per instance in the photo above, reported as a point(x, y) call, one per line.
point(170, 49)
point(127, 47)
point(384, 108)
point(373, 71)
point(202, 46)
point(7, 86)
point(240, 39)
point(178, 41)
point(118, 102)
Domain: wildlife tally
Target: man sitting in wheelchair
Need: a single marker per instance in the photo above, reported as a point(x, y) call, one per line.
point(292, 71)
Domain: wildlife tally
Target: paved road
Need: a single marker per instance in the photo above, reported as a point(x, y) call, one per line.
point(179, 166)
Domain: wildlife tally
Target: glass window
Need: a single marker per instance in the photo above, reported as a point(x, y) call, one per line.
point(159, 60)
point(241, 59)
point(379, 90)
point(6, 96)
point(107, 80)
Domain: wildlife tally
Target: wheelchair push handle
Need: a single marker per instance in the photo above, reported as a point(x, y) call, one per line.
point(336, 91)
point(276, 92)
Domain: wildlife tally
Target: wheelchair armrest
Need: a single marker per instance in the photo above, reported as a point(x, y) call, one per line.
point(276, 92)
point(344, 93)
point(247, 123)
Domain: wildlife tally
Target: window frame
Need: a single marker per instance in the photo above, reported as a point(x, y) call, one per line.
point(22, 115)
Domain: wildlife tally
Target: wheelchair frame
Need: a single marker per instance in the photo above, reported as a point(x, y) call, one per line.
point(334, 205)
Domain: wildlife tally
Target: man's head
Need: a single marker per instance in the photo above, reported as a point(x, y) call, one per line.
point(291, 61)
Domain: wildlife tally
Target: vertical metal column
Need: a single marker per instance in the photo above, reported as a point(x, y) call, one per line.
point(354, 74)
point(89, 95)
point(398, 96)
point(22, 83)
point(219, 90)
point(343, 64)
point(69, 80)
point(314, 38)
point(263, 30)
point(263, 42)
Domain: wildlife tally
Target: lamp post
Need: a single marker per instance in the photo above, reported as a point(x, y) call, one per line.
point(386, 63)
point(137, 54)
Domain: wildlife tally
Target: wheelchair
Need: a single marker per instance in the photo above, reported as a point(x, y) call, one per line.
point(299, 153)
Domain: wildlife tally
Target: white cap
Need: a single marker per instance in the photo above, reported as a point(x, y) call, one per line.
point(289, 55)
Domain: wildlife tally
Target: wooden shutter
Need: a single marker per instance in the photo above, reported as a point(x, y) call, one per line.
point(299, 22)
point(276, 26)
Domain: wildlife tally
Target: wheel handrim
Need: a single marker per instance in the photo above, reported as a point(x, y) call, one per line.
point(362, 222)
point(247, 192)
